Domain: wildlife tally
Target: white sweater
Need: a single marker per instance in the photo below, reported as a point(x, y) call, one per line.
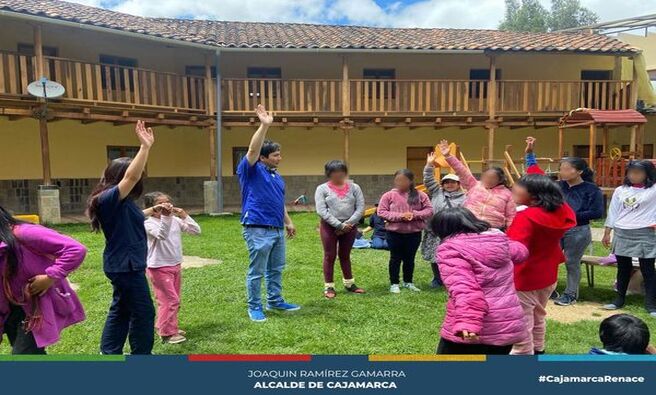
point(632, 208)
point(165, 239)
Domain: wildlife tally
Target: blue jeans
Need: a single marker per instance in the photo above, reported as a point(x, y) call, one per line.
point(378, 243)
point(266, 253)
point(131, 315)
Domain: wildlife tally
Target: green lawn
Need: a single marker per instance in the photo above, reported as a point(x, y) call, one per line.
point(214, 311)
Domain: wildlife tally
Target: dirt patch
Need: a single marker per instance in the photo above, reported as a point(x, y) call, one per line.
point(581, 311)
point(190, 262)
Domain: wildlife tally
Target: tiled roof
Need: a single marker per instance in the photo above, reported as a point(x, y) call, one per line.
point(307, 36)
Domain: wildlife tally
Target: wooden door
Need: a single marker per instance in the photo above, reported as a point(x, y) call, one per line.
point(416, 160)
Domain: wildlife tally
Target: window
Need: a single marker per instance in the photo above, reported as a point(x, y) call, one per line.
point(119, 151)
point(583, 151)
point(199, 71)
point(592, 93)
point(647, 150)
point(263, 73)
point(477, 90)
point(116, 78)
point(380, 74)
point(238, 153)
point(28, 49)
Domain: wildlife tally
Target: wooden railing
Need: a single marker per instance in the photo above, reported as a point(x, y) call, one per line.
point(418, 96)
point(561, 96)
point(136, 87)
point(93, 82)
point(288, 96)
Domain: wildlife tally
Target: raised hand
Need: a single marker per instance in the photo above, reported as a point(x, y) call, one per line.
point(430, 159)
point(265, 117)
point(530, 142)
point(145, 135)
point(444, 148)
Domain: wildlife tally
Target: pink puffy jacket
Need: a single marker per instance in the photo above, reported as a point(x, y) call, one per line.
point(477, 270)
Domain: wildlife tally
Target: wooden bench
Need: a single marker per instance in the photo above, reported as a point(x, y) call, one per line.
point(590, 261)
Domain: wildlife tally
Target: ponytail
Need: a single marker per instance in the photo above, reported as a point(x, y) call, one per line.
point(413, 194)
point(581, 165)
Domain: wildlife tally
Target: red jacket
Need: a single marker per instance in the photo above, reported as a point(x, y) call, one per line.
point(540, 231)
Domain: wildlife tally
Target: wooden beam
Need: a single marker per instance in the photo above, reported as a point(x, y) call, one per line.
point(212, 144)
point(632, 143)
point(605, 139)
point(38, 52)
point(634, 86)
point(45, 150)
point(347, 145)
point(640, 142)
point(593, 145)
point(561, 142)
point(490, 144)
point(209, 97)
point(492, 91)
point(346, 88)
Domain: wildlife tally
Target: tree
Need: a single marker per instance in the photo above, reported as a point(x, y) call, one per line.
point(531, 16)
point(569, 13)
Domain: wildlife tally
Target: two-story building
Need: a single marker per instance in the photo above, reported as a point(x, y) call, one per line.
point(380, 98)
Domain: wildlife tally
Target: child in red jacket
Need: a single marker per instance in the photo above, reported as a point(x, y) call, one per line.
point(539, 227)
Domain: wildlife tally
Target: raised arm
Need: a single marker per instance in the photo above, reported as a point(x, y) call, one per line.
point(257, 140)
point(135, 171)
point(432, 185)
point(467, 179)
point(530, 162)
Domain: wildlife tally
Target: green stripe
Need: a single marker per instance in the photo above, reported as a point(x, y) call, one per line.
point(62, 358)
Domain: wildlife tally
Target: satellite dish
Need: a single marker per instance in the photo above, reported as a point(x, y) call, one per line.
point(46, 89)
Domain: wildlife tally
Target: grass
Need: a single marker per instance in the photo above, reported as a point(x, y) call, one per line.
point(214, 310)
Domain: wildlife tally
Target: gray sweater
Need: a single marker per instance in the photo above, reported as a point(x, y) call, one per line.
point(441, 199)
point(335, 211)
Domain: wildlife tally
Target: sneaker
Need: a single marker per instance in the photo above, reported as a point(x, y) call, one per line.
point(395, 289)
point(615, 305)
point(565, 300)
point(436, 283)
point(181, 332)
point(283, 306)
point(554, 295)
point(355, 289)
point(175, 339)
point(329, 293)
point(256, 315)
point(411, 287)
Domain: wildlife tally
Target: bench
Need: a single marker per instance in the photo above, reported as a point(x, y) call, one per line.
point(590, 261)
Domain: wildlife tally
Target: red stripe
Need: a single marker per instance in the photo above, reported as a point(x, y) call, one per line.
point(249, 358)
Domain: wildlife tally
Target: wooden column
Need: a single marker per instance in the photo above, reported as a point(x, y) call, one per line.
point(561, 143)
point(209, 97)
point(640, 142)
point(593, 145)
point(492, 109)
point(347, 144)
point(632, 142)
point(605, 139)
point(38, 52)
point(346, 88)
point(634, 87)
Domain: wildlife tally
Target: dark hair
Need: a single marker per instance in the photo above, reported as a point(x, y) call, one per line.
point(335, 166)
point(501, 175)
point(645, 165)
point(543, 190)
point(7, 223)
point(114, 173)
point(624, 333)
point(151, 197)
point(268, 148)
point(456, 220)
point(413, 194)
point(581, 165)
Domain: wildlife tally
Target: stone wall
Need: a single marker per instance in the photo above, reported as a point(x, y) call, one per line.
point(20, 196)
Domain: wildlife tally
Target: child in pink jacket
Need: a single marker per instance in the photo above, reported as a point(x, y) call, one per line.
point(483, 314)
point(489, 199)
point(405, 210)
point(36, 300)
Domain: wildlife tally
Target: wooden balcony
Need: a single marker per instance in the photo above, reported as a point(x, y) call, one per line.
point(189, 99)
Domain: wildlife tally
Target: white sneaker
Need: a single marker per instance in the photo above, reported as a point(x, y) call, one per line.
point(411, 287)
point(394, 288)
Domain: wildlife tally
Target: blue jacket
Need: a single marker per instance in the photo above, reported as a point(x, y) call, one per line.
point(585, 199)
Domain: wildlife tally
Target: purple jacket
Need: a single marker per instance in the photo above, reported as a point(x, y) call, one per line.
point(477, 270)
point(44, 251)
point(393, 204)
